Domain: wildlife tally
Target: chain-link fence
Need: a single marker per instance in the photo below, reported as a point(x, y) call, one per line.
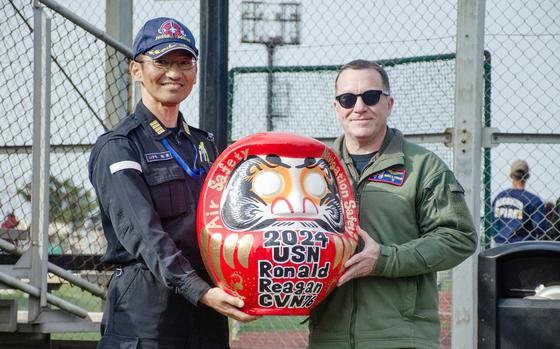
point(80, 66)
point(283, 58)
point(523, 41)
point(302, 97)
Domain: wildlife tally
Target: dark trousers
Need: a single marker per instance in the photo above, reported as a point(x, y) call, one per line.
point(141, 313)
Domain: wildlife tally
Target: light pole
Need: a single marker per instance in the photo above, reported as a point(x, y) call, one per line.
point(271, 24)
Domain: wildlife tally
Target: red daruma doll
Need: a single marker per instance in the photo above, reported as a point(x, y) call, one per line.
point(276, 222)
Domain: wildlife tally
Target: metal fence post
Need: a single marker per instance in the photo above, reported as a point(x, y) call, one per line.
point(118, 103)
point(213, 69)
point(487, 169)
point(467, 145)
point(41, 142)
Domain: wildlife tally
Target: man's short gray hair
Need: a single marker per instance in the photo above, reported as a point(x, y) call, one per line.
point(361, 64)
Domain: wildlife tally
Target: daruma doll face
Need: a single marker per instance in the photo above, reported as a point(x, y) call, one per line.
point(276, 222)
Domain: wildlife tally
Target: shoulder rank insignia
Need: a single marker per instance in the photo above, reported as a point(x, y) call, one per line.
point(156, 126)
point(393, 176)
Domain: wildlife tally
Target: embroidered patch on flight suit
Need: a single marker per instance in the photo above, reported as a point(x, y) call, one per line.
point(152, 157)
point(393, 176)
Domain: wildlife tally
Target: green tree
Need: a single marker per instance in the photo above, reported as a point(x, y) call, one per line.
point(69, 203)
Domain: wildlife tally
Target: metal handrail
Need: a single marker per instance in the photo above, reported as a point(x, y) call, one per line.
point(36, 292)
point(82, 23)
point(58, 271)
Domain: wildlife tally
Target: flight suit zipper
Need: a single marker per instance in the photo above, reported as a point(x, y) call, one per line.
point(355, 296)
point(357, 186)
point(352, 332)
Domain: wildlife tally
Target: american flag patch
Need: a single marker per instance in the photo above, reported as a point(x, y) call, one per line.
point(394, 176)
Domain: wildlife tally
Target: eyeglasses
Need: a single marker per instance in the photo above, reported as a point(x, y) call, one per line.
point(370, 97)
point(166, 65)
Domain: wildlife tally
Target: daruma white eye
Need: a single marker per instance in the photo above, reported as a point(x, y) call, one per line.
point(268, 183)
point(314, 184)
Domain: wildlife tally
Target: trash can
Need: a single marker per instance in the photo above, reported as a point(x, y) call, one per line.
point(509, 316)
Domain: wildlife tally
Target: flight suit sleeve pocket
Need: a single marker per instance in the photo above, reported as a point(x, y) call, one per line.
point(169, 190)
point(459, 207)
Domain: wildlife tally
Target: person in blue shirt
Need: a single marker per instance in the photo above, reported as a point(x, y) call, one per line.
point(518, 214)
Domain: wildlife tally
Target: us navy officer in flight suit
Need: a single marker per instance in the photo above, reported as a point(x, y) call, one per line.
point(147, 173)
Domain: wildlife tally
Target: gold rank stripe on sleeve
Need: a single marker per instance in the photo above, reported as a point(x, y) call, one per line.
point(156, 127)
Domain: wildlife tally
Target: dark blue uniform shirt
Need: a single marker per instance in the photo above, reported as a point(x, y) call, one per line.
point(518, 215)
point(147, 200)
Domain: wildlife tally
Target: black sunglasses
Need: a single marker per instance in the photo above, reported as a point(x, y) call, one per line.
point(370, 97)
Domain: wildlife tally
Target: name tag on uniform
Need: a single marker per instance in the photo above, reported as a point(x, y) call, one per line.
point(152, 157)
point(393, 176)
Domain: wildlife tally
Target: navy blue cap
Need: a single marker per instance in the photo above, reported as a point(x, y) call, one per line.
point(162, 35)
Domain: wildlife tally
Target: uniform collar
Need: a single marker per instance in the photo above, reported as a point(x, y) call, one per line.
point(155, 128)
point(390, 154)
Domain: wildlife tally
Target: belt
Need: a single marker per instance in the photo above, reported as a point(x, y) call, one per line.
point(120, 266)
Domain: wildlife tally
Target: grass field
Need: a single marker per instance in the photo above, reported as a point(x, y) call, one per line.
point(67, 292)
point(276, 323)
